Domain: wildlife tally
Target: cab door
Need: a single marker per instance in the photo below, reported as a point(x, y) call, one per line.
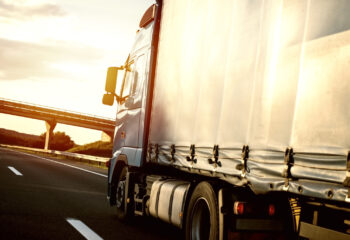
point(130, 111)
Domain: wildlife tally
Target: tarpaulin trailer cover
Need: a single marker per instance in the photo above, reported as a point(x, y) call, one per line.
point(272, 75)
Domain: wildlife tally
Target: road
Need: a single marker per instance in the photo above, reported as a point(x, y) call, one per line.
point(44, 198)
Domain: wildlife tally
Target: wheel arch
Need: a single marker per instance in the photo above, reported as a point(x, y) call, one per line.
point(121, 162)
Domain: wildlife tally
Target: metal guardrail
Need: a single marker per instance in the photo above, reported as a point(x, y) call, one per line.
point(101, 161)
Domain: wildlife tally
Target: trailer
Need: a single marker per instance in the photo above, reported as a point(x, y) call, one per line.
point(233, 119)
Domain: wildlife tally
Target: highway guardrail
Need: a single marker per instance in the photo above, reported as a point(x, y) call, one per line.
point(101, 161)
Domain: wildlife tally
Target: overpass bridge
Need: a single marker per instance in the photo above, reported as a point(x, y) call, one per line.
point(52, 116)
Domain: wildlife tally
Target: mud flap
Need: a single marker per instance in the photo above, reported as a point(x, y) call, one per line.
point(129, 190)
point(224, 198)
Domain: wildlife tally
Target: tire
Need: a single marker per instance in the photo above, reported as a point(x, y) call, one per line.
point(202, 219)
point(122, 212)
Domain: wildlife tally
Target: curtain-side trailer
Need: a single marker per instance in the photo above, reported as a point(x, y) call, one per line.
point(233, 119)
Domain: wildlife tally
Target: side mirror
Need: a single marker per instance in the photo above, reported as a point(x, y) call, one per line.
point(111, 80)
point(108, 99)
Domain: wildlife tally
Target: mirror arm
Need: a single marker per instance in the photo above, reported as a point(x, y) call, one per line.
point(119, 99)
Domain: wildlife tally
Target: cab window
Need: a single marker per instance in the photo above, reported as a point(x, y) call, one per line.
point(128, 77)
point(139, 75)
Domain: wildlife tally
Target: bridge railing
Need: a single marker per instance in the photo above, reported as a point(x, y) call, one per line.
point(56, 109)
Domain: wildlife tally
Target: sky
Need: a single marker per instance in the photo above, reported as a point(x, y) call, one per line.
point(56, 53)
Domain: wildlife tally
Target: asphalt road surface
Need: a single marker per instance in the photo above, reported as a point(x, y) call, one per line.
point(44, 198)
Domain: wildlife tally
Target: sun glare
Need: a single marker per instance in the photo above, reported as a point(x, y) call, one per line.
point(56, 53)
point(70, 68)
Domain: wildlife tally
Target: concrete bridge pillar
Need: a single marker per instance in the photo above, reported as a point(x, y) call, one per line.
point(107, 136)
point(50, 126)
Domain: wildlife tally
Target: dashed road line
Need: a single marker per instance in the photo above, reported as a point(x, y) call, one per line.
point(64, 164)
point(15, 171)
point(83, 229)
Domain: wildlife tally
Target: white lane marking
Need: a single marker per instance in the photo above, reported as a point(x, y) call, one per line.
point(83, 229)
point(64, 164)
point(15, 171)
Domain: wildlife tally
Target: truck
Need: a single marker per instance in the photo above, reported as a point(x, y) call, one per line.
point(233, 119)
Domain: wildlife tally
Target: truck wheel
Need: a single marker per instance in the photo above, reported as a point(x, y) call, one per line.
point(122, 213)
point(202, 221)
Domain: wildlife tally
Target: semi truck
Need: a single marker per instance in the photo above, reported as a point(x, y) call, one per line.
point(233, 119)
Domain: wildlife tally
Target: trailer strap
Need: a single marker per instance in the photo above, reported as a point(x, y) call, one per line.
point(149, 151)
point(192, 158)
point(288, 161)
point(216, 161)
point(156, 152)
point(346, 182)
point(245, 156)
point(172, 153)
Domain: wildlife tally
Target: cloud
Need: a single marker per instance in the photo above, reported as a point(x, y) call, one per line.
point(19, 11)
point(23, 60)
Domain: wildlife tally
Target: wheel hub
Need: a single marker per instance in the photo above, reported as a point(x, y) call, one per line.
point(200, 228)
point(120, 193)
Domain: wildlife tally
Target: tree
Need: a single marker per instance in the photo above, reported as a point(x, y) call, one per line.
point(59, 141)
